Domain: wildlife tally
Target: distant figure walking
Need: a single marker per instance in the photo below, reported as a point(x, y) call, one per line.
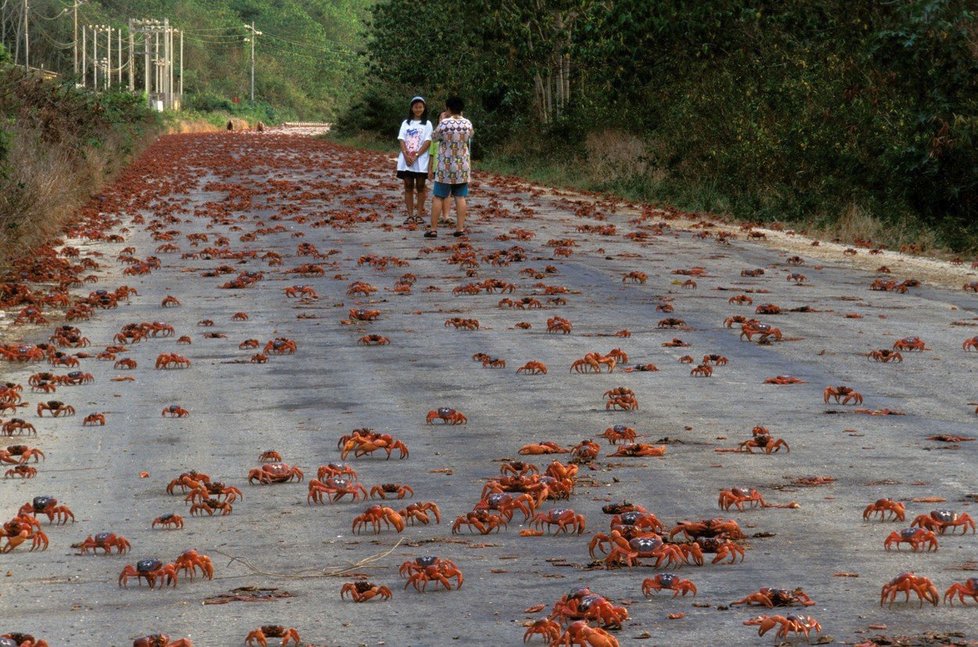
point(412, 163)
point(453, 166)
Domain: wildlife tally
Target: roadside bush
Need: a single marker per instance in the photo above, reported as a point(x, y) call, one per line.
point(801, 112)
point(58, 145)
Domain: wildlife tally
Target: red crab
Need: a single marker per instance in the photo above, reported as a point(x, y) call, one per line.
point(175, 411)
point(581, 633)
point(23, 640)
point(376, 514)
point(916, 537)
point(392, 490)
point(49, 506)
point(909, 344)
point(563, 518)
point(907, 582)
point(670, 582)
point(335, 487)
point(762, 439)
point(842, 393)
point(484, 521)
point(363, 590)
point(274, 473)
point(422, 570)
point(447, 415)
point(738, 496)
point(104, 540)
point(56, 408)
point(618, 433)
point(784, 380)
point(150, 570)
point(419, 512)
point(263, 633)
point(584, 604)
point(542, 447)
point(168, 521)
point(21, 528)
point(161, 640)
point(882, 506)
point(788, 624)
point(941, 520)
point(770, 597)
point(962, 589)
point(190, 560)
point(550, 630)
point(629, 551)
point(20, 454)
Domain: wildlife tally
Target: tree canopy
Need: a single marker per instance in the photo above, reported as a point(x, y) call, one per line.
point(307, 62)
point(789, 110)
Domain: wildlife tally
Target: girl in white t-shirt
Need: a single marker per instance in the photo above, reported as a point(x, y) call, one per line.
point(412, 163)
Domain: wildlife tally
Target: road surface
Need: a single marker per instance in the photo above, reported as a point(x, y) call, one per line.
point(272, 193)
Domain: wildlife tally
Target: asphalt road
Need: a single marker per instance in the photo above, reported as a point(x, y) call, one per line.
point(285, 191)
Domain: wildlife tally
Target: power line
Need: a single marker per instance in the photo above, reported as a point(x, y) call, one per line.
point(235, 39)
point(203, 29)
point(324, 56)
point(37, 15)
point(57, 44)
point(330, 45)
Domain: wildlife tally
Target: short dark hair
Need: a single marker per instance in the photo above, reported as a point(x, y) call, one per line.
point(455, 105)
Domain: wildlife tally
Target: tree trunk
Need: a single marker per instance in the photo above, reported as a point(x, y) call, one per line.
point(540, 96)
point(567, 82)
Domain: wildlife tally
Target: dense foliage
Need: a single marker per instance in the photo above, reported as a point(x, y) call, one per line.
point(771, 110)
point(58, 144)
point(306, 60)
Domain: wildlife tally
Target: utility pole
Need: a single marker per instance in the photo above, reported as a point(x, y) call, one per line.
point(254, 36)
point(84, 63)
point(181, 69)
point(74, 42)
point(169, 62)
point(158, 49)
point(132, 59)
point(108, 57)
point(146, 65)
point(95, 57)
point(27, 41)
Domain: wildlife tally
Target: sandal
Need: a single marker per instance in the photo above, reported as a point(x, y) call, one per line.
point(414, 220)
point(431, 233)
point(461, 232)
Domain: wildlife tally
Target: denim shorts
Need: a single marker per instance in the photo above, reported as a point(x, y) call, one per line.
point(443, 190)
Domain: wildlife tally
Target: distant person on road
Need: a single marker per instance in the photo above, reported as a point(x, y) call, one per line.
point(453, 166)
point(412, 163)
point(444, 218)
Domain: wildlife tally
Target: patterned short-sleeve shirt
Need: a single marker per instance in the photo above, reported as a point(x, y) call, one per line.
point(453, 166)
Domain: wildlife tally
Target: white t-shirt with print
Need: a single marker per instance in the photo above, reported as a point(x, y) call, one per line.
point(414, 134)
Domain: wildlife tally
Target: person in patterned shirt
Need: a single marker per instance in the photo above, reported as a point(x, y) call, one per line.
point(453, 167)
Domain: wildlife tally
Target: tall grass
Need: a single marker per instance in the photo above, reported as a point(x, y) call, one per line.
point(60, 146)
point(623, 165)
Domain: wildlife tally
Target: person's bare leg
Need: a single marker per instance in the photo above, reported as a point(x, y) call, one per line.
point(461, 210)
point(409, 196)
point(421, 196)
point(436, 207)
point(446, 211)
